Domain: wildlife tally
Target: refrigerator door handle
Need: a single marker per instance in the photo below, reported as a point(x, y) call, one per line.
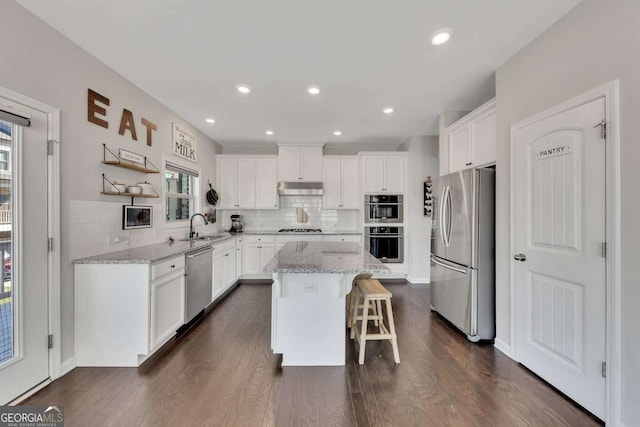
point(441, 214)
point(441, 264)
point(446, 207)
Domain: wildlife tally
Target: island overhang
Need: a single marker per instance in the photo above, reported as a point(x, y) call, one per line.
point(324, 257)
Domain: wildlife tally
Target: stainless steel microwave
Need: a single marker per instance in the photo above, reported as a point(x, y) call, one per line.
point(383, 208)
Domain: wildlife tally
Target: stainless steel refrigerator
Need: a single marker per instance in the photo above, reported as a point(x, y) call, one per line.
point(463, 251)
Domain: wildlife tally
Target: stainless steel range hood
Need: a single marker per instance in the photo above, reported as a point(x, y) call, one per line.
point(295, 188)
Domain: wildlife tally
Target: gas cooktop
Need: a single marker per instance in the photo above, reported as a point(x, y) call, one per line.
point(299, 230)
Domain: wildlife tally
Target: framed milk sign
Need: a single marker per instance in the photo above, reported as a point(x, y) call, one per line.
point(184, 142)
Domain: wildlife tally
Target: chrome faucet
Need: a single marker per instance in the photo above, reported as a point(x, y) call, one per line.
point(191, 232)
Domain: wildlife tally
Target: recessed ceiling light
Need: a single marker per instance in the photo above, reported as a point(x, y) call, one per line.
point(243, 88)
point(337, 132)
point(210, 121)
point(441, 36)
point(269, 132)
point(388, 110)
point(313, 90)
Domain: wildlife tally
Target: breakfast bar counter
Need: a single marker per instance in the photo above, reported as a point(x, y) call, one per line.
point(310, 284)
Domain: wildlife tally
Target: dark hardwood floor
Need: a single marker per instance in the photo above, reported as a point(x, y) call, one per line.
point(223, 373)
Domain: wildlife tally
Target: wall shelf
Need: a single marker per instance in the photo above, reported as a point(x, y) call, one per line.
point(141, 163)
point(134, 167)
point(115, 193)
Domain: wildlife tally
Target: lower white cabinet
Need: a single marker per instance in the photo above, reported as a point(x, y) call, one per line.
point(256, 252)
point(238, 257)
point(125, 312)
point(224, 267)
point(167, 308)
point(343, 238)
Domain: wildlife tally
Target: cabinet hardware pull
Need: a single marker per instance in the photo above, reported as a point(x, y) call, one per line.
point(173, 266)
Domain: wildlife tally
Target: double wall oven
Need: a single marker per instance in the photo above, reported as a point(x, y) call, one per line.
point(385, 243)
point(383, 231)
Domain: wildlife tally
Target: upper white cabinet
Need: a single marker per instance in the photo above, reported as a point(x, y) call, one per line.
point(384, 172)
point(247, 182)
point(471, 141)
point(300, 163)
point(340, 175)
point(267, 184)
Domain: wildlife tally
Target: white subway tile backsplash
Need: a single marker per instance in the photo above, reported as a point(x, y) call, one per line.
point(93, 223)
point(286, 216)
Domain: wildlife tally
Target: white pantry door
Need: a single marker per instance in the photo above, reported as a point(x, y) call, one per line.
point(559, 228)
point(24, 192)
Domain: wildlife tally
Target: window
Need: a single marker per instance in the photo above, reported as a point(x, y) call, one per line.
point(4, 160)
point(180, 192)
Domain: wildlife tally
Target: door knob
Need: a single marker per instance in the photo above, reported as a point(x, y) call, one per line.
point(520, 257)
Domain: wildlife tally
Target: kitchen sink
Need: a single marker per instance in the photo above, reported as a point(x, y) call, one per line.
point(206, 238)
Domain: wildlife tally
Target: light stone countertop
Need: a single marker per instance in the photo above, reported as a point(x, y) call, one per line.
point(149, 254)
point(324, 257)
point(152, 253)
point(323, 233)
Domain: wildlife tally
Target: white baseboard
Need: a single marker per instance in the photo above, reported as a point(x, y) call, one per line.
point(503, 347)
point(418, 280)
point(67, 366)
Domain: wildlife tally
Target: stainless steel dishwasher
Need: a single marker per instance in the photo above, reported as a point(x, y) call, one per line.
point(198, 285)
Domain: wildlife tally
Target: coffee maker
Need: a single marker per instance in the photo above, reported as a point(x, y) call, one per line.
point(236, 223)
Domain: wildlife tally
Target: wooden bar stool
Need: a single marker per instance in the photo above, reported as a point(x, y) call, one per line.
point(351, 300)
point(371, 292)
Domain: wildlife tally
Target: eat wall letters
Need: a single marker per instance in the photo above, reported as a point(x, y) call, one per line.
point(97, 111)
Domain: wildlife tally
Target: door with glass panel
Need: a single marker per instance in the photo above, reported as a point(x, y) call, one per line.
point(24, 325)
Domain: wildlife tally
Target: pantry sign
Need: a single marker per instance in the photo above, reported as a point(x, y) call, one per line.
point(184, 142)
point(554, 150)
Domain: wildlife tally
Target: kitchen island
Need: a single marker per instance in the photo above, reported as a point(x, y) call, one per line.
point(308, 313)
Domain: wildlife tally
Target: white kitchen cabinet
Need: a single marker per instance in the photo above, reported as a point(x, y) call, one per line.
point(340, 175)
point(224, 267)
point(472, 139)
point(484, 139)
point(238, 242)
point(247, 182)
point(342, 238)
point(459, 148)
point(167, 308)
point(267, 251)
point(266, 184)
point(257, 250)
point(218, 274)
point(125, 312)
point(227, 183)
point(384, 172)
point(246, 195)
point(309, 237)
point(300, 163)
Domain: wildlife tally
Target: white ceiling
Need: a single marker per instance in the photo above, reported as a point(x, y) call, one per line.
point(363, 54)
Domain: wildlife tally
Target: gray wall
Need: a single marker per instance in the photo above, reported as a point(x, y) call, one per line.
point(599, 41)
point(42, 64)
point(422, 162)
